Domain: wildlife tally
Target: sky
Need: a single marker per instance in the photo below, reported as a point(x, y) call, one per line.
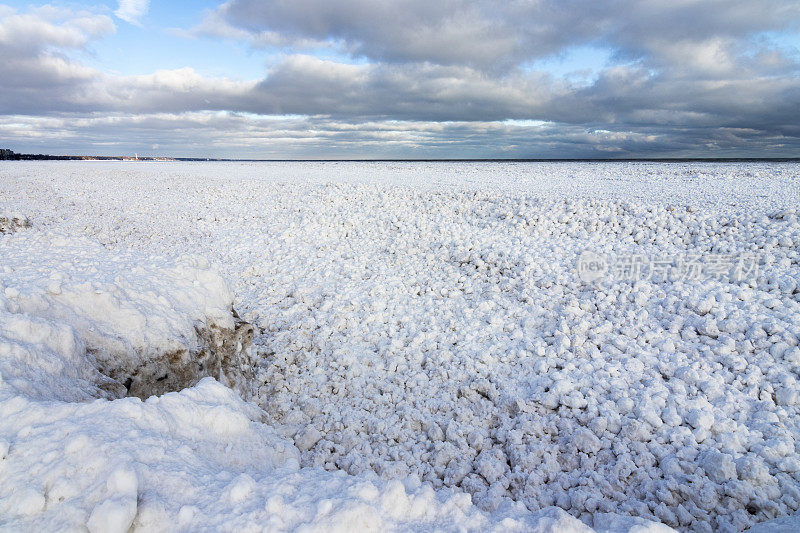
point(402, 79)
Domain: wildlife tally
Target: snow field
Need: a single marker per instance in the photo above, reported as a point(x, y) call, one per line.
point(72, 315)
point(458, 344)
point(427, 323)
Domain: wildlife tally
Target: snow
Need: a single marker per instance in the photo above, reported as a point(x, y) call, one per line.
point(200, 459)
point(429, 355)
point(11, 221)
point(66, 302)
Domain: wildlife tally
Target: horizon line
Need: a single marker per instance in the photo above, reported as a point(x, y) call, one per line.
point(65, 157)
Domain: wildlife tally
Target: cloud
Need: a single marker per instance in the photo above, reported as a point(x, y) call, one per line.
point(36, 72)
point(226, 134)
point(303, 84)
point(214, 24)
point(447, 79)
point(132, 11)
point(38, 76)
point(499, 35)
point(33, 32)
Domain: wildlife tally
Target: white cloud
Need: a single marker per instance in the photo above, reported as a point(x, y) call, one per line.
point(43, 27)
point(132, 10)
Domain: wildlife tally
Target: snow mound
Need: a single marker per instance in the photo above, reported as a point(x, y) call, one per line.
point(78, 321)
point(103, 463)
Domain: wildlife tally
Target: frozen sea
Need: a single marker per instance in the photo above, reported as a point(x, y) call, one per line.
point(460, 346)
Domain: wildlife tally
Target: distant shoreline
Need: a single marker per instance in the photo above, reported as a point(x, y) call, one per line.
point(8, 155)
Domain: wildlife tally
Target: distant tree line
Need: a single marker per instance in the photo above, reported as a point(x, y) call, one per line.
point(9, 155)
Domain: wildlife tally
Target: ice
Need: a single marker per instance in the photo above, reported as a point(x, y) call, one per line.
point(788, 524)
point(307, 438)
point(427, 354)
point(609, 522)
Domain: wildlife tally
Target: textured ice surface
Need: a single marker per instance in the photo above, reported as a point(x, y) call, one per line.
point(427, 322)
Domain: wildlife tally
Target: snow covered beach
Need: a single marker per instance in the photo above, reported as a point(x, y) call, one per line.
point(423, 332)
